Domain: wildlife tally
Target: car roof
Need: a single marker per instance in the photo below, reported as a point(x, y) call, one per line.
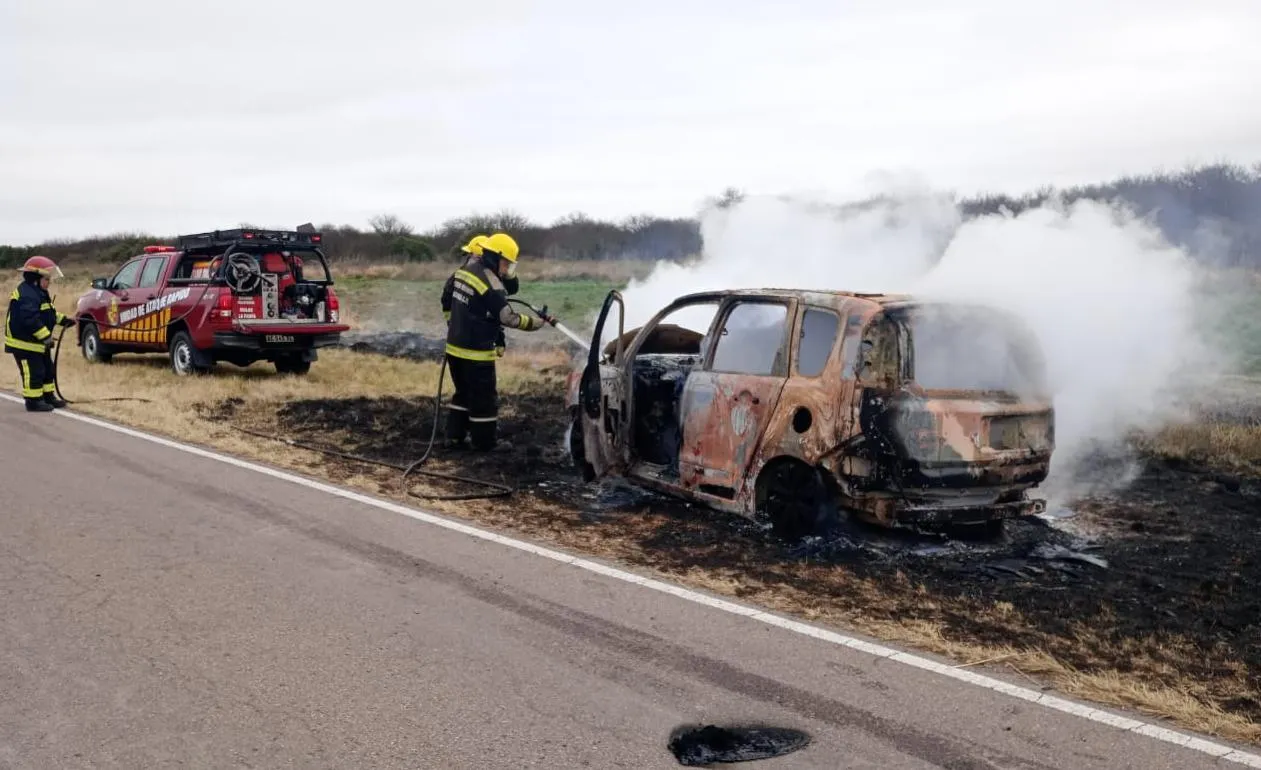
point(813, 296)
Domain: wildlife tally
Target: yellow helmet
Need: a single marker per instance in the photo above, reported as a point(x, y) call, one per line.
point(503, 245)
point(475, 244)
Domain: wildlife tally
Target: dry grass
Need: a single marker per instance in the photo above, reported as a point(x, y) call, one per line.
point(341, 374)
point(1225, 446)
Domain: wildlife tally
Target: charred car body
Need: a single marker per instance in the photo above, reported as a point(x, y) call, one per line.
point(804, 407)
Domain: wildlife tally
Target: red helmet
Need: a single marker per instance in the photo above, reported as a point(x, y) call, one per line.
point(42, 265)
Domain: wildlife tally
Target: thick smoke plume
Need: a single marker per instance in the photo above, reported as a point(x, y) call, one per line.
point(1109, 300)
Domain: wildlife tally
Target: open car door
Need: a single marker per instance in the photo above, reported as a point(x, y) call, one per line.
point(602, 399)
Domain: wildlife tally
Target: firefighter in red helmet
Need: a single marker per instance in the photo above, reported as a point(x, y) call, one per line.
point(28, 333)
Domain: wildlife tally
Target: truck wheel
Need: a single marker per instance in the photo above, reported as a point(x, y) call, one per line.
point(90, 343)
point(292, 366)
point(183, 359)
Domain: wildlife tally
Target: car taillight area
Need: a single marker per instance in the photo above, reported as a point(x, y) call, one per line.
point(223, 307)
point(334, 306)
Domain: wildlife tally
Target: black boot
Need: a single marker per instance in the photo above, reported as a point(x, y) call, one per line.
point(457, 428)
point(52, 400)
point(38, 405)
point(485, 438)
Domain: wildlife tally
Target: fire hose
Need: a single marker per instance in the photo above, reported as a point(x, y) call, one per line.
point(57, 380)
point(497, 490)
point(62, 333)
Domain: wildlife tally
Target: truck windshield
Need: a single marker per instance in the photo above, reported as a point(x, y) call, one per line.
point(956, 347)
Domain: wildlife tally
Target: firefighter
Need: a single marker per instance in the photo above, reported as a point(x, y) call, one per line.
point(28, 333)
point(511, 285)
point(475, 302)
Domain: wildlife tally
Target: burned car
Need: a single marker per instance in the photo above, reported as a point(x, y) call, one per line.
point(805, 408)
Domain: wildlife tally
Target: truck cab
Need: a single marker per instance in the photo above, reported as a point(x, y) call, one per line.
point(238, 296)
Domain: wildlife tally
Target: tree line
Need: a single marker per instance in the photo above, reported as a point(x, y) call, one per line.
point(1214, 211)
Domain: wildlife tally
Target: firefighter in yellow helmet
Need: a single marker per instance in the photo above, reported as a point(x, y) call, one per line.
point(28, 333)
point(511, 285)
point(476, 299)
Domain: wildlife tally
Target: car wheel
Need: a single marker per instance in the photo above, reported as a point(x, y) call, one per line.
point(90, 343)
point(183, 360)
point(792, 495)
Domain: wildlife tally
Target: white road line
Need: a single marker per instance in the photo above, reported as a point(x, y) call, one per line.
point(963, 675)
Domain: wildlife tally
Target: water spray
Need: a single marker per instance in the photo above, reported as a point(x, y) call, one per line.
point(542, 313)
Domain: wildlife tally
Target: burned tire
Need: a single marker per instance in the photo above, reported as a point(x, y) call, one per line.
point(94, 351)
point(982, 531)
point(184, 356)
point(793, 497)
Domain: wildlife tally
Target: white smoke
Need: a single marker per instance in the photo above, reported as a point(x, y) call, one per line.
point(1110, 301)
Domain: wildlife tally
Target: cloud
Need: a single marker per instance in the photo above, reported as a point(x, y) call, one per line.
point(291, 111)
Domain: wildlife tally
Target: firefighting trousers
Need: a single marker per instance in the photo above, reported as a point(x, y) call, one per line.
point(38, 377)
point(474, 407)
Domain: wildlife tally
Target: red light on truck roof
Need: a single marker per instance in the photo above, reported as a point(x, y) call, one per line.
point(158, 249)
point(315, 238)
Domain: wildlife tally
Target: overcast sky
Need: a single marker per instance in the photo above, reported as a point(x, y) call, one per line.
point(164, 117)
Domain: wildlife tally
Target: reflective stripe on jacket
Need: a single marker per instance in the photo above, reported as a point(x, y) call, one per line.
point(475, 303)
point(25, 324)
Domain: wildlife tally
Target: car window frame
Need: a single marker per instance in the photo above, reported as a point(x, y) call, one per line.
point(157, 279)
point(837, 334)
point(720, 323)
point(113, 282)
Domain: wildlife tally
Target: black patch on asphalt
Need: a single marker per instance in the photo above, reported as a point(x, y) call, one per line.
point(698, 746)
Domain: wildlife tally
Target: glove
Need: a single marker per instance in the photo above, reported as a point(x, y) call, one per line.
point(547, 317)
point(499, 351)
point(501, 343)
point(66, 322)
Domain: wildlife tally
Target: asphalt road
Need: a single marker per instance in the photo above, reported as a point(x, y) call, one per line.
point(161, 609)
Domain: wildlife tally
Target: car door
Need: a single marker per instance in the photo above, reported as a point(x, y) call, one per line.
point(726, 404)
point(818, 390)
point(602, 402)
point(148, 326)
point(121, 310)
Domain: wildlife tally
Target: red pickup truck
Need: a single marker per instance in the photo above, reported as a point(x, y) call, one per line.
point(239, 296)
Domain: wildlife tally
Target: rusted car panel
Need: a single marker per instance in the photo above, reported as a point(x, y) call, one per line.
point(897, 411)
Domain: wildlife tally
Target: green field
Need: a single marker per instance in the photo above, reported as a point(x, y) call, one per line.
point(1230, 313)
point(379, 304)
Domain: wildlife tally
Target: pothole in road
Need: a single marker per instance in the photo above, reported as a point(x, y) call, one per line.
point(699, 746)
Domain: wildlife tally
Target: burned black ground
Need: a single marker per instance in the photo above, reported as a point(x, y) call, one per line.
point(1157, 582)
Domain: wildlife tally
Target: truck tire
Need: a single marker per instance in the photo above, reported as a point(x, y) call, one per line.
point(183, 356)
point(292, 366)
point(94, 351)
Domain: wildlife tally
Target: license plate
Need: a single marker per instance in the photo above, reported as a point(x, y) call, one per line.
point(278, 338)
